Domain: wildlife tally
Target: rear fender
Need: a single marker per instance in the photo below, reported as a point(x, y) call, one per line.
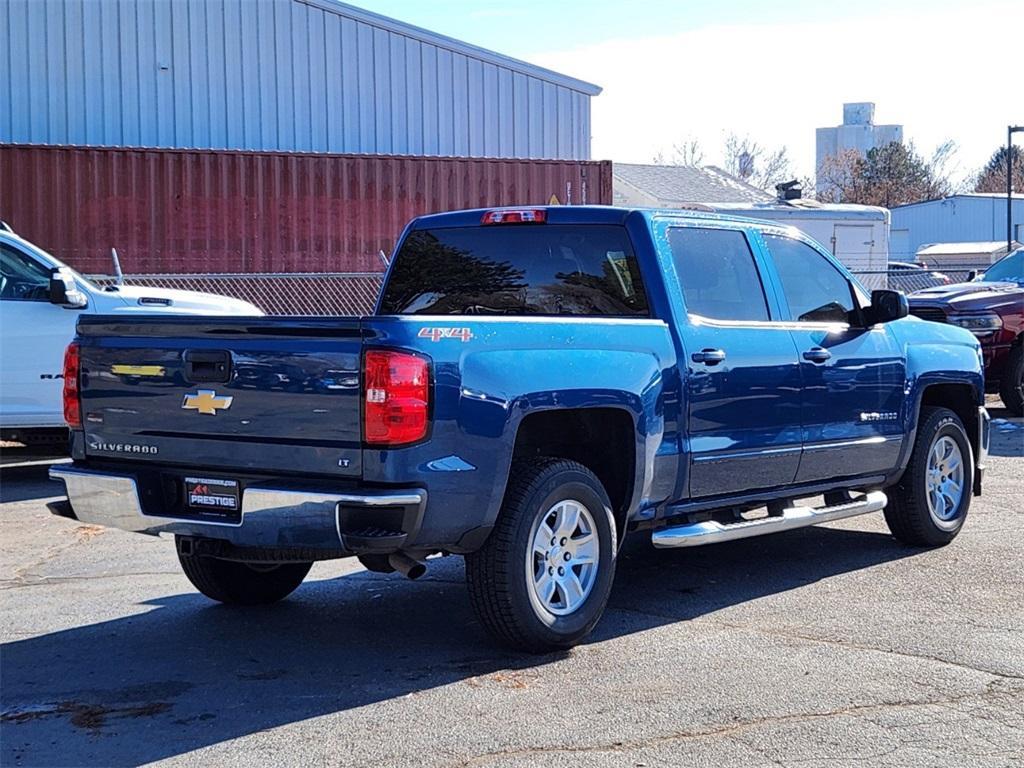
point(490, 405)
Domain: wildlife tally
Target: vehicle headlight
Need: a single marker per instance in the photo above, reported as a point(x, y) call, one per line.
point(979, 325)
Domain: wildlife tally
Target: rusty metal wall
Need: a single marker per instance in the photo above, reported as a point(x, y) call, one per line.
point(189, 211)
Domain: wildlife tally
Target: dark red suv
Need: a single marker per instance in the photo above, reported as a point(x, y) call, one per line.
point(992, 308)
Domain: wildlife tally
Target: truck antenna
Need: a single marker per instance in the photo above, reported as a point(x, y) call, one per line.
point(117, 267)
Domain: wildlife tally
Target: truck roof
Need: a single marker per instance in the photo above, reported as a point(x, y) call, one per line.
point(581, 214)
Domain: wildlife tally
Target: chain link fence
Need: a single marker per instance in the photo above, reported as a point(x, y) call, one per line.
point(340, 293)
point(909, 278)
point(355, 293)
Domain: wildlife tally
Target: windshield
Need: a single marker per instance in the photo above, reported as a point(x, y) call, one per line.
point(1009, 269)
point(46, 261)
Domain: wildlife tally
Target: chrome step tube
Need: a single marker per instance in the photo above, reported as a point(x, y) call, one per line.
point(711, 532)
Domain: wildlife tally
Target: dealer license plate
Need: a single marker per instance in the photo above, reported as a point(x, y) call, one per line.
point(212, 494)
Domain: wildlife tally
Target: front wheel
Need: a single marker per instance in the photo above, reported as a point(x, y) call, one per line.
point(235, 583)
point(542, 579)
point(929, 505)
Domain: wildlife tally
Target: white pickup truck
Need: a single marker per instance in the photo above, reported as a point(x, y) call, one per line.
point(41, 300)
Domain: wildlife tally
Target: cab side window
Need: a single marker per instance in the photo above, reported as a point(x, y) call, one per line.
point(22, 278)
point(717, 274)
point(815, 290)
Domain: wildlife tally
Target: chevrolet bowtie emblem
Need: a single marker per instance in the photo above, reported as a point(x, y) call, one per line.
point(206, 401)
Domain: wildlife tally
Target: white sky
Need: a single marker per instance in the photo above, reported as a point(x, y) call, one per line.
point(952, 73)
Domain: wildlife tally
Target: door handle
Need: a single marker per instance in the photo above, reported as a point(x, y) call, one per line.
point(817, 355)
point(708, 356)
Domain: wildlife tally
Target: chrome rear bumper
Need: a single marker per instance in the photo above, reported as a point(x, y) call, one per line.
point(270, 517)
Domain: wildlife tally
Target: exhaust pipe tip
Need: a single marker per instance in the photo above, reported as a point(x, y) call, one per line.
point(407, 566)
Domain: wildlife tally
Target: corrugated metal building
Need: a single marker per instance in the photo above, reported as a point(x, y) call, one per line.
point(965, 218)
point(274, 75)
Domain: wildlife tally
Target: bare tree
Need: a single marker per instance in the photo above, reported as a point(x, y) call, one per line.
point(992, 177)
point(686, 152)
point(943, 166)
point(756, 164)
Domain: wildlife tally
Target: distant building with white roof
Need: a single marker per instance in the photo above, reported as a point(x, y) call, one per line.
point(978, 255)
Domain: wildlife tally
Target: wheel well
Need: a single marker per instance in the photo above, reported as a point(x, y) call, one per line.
point(601, 439)
point(959, 398)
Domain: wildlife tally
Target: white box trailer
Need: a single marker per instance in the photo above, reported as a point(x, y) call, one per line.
point(857, 235)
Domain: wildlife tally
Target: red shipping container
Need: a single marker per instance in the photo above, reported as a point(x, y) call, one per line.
point(201, 211)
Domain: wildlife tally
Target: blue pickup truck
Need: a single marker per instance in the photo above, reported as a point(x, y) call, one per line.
point(533, 385)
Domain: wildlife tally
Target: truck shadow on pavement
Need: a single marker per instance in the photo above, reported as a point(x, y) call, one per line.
point(1007, 437)
point(27, 484)
point(188, 674)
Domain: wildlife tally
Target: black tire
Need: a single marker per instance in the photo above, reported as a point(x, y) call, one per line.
point(1011, 386)
point(497, 574)
point(234, 583)
point(907, 513)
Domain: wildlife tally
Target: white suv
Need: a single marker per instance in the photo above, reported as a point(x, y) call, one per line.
point(41, 299)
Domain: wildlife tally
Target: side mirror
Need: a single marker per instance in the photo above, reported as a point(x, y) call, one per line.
point(886, 306)
point(64, 291)
point(972, 276)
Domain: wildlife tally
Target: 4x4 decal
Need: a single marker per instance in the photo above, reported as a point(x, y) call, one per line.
point(436, 334)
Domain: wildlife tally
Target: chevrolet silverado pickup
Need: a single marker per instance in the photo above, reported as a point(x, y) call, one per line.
point(533, 385)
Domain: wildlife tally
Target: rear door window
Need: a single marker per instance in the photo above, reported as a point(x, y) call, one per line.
point(717, 274)
point(520, 269)
point(815, 290)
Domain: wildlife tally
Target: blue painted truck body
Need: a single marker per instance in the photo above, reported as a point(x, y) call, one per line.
point(796, 408)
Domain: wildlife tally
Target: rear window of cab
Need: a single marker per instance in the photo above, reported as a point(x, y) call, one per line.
point(522, 269)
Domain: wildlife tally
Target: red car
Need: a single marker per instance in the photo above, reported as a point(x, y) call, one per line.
point(992, 308)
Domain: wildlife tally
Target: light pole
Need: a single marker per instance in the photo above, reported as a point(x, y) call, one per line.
point(1010, 130)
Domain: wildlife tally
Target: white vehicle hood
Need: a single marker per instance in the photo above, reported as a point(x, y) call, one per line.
point(173, 301)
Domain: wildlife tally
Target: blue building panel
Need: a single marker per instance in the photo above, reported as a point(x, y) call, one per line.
point(967, 218)
point(277, 75)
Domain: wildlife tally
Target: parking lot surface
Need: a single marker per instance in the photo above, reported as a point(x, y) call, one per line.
point(826, 646)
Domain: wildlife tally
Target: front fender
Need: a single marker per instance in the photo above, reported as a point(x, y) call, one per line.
point(936, 354)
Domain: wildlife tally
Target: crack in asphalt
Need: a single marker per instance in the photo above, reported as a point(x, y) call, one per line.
point(788, 634)
point(863, 647)
point(730, 731)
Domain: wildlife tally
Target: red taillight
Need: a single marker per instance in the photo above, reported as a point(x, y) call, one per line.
point(72, 405)
point(517, 216)
point(396, 397)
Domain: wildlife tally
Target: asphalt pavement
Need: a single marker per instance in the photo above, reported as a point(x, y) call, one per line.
point(822, 647)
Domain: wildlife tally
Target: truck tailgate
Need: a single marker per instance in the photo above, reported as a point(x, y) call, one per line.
point(245, 394)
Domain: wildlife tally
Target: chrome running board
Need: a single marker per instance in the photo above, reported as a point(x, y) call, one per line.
point(711, 532)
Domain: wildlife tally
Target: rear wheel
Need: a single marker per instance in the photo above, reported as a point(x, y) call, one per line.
point(235, 583)
point(1011, 387)
point(929, 505)
point(542, 579)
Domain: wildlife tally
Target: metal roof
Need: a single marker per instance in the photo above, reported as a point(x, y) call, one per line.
point(984, 195)
point(451, 44)
point(805, 209)
point(955, 249)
